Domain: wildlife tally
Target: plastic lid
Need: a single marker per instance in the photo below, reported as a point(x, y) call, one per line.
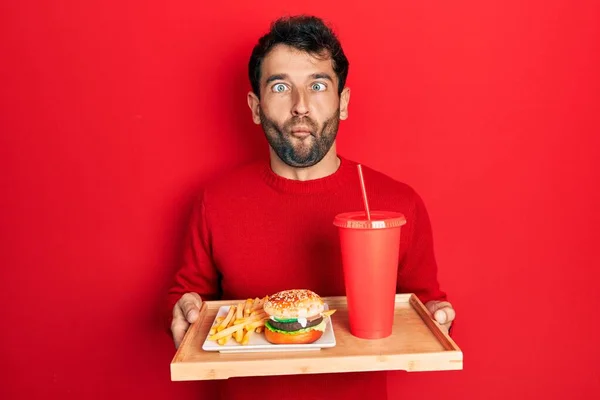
point(379, 220)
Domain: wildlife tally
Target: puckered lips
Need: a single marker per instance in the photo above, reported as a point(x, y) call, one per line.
point(301, 132)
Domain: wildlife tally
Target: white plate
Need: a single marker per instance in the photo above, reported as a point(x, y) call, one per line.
point(258, 343)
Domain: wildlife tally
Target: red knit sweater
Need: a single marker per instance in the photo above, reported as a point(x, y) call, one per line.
point(254, 233)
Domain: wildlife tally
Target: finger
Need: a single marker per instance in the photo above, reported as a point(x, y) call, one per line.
point(179, 326)
point(445, 315)
point(440, 317)
point(190, 304)
point(435, 305)
point(450, 314)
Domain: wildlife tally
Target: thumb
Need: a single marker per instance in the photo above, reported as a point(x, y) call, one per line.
point(190, 305)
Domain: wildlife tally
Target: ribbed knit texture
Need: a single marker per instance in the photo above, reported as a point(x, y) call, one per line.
point(254, 233)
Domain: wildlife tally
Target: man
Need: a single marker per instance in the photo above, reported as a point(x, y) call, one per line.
point(268, 226)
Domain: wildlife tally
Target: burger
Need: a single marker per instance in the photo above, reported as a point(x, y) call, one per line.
point(295, 317)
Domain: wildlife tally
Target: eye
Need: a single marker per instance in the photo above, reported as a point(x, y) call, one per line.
point(279, 88)
point(318, 87)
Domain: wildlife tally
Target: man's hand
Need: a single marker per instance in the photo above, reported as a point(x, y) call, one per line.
point(442, 312)
point(185, 312)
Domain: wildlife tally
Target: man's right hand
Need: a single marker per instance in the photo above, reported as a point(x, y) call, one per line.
point(185, 312)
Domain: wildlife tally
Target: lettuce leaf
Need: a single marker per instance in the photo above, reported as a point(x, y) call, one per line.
point(320, 327)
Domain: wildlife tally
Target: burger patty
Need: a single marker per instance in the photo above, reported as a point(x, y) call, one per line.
point(294, 326)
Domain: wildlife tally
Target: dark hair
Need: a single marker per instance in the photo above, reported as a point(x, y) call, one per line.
point(305, 33)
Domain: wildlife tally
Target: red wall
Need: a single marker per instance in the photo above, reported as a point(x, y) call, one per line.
point(114, 114)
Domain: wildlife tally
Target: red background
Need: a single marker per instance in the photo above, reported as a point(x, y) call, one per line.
point(113, 114)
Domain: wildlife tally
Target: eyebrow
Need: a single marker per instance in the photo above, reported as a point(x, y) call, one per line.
point(277, 77)
point(281, 77)
point(322, 75)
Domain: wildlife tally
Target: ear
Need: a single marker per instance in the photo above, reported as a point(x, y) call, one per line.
point(344, 100)
point(254, 104)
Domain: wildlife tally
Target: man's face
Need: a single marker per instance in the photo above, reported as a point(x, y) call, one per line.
point(299, 107)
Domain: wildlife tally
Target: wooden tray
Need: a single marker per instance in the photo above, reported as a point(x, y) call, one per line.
point(417, 343)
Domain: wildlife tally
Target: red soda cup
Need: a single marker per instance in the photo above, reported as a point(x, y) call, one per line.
point(370, 249)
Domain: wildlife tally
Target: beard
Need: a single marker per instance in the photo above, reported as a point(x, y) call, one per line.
point(301, 153)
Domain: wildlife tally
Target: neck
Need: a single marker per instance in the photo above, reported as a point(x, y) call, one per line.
point(327, 166)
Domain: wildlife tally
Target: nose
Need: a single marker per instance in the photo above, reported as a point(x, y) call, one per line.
point(300, 103)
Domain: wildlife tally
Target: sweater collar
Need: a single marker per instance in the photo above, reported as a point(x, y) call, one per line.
point(341, 177)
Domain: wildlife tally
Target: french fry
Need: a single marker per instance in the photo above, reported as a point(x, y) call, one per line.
point(232, 317)
point(223, 341)
point(240, 311)
point(213, 329)
point(247, 307)
point(256, 324)
point(238, 335)
point(241, 322)
point(247, 336)
point(257, 316)
point(328, 313)
point(229, 331)
point(257, 307)
point(254, 304)
point(225, 322)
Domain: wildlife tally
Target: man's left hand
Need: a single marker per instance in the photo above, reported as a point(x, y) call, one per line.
point(442, 312)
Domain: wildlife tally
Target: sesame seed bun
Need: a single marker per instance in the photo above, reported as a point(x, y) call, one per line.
point(295, 303)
